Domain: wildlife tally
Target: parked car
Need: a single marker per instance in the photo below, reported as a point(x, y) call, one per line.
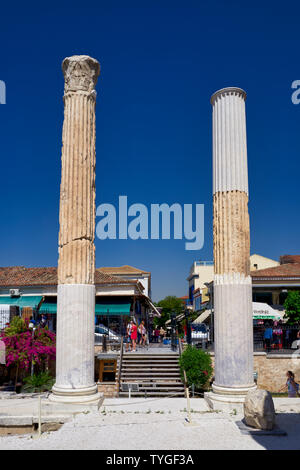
point(102, 330)
point(200, 332)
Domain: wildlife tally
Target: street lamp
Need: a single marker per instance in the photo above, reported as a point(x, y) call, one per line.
point(33, 328)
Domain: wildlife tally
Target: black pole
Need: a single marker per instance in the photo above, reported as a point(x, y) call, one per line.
point(173, 332)
point(188, 328)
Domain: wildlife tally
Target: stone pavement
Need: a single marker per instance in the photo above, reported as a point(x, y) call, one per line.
point(159, 424)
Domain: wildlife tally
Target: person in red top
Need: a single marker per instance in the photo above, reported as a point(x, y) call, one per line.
point(133, 336)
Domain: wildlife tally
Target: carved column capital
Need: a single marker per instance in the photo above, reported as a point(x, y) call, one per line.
point(81, 73)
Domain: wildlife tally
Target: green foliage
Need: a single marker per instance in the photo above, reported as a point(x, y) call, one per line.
point(38, 383)
point(197, 365)
point(292, 307)
point(170, 304)
point(16, 326)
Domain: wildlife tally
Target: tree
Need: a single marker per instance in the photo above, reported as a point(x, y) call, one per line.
point(197, 365)
point(169, 304)
point(24, 346)
point(292, 307)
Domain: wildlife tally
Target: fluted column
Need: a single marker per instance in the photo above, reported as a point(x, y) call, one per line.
point(76, 265)
point(232, 280)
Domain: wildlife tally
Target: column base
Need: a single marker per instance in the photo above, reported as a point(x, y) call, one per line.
point(88, 395)
point(226, 398)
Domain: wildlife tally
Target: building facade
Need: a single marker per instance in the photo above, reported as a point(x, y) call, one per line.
point(202, 273)
point(272, 284)
point(36, 288)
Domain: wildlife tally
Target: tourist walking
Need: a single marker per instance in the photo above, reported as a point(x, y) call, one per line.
point(277, 335)
point(162, 334)
point(153, 336)
point(128, 337)
point(133, 335)
point(142, 331)
point(156, 334)
point(291, 385)
point(43, 321)
point(268, 336)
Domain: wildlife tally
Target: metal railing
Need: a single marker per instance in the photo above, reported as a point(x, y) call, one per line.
point(273, 339)
point(32, 316)
point(120, 366)
point(282, 339)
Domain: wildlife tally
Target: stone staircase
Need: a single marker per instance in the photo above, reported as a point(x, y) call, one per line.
point(155, 374)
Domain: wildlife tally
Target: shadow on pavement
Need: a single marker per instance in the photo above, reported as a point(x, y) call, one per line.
point(289, 422)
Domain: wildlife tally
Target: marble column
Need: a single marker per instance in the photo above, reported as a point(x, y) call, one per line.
point(232, 280)
point(76, 265)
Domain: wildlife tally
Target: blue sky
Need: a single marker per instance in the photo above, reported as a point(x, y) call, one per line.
point(160, 63)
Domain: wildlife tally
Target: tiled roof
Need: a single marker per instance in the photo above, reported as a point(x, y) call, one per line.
point(284, 270)
point(123, 270)
point(20, 276)
point(289, 259)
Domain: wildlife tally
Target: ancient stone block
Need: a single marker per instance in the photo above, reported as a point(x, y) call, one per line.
point(259, 410)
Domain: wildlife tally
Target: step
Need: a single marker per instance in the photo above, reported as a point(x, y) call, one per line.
point(162, 390)
point(149, 368)
point(150, 361)
point(150, 356)
point(156, 390)
point(156, 384)
point(151, 394)
point(138, 379)
point(152, 377)
point(140, 383)
point(159, 363)
point(154, 373)
point(148, 364)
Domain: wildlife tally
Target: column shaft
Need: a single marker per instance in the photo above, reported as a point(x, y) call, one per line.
point(232, 281)
point(77, 205)
point(76, 265)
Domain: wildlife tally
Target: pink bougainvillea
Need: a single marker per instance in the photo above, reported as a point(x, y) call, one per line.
point(26, 347)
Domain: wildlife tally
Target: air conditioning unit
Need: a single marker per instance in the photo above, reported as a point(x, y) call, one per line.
point(14, 292)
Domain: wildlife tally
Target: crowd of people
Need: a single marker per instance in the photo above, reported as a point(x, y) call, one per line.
point(137, 335)
point(277, 336)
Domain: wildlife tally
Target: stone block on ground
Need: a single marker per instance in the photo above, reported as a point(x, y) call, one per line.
point(259, 410)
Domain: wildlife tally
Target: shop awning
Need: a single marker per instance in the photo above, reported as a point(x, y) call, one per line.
point(178, 318)
point(7, 301)
point(152, 306)
point(204, 316)
point(105, 308)
point(46, 307)
point(32, 301)
point(262, 311)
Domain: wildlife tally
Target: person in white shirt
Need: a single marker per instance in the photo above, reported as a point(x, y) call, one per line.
point(128, 338)
point(142, 331)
